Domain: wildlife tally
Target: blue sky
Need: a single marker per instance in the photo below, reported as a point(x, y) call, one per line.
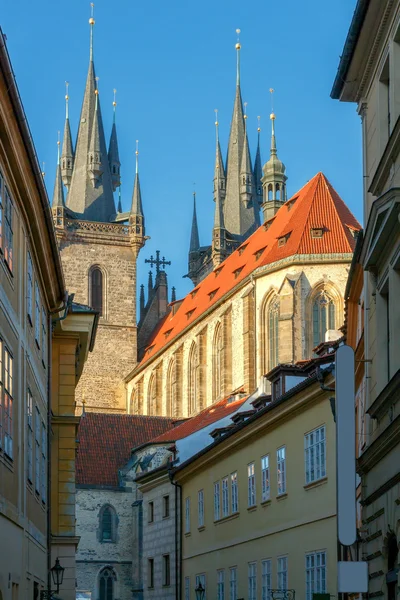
point(172, 64)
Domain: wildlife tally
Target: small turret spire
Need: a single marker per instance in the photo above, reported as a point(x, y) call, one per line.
point(119, 209)
point(67, 155)
point(219, 170)
point(136, 218)
point(58, 194)
point(258, 167)
point(150, 283)
point(95, 166)
point(142, 300)
point(173, 294)
point(194, 236)
point(113, 153)
point(238, 47)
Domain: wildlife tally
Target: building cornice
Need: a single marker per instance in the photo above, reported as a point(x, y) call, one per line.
point(380, 447)
point(385, 398)
point(390, 153)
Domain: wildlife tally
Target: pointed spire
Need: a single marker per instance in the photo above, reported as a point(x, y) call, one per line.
point(67, 155)
point(137, 208)
point(142, 300)
point(173, 294)
point(119, 209)
point(219, 170)
point(194, 235)
point(113, 153)
point(150, 283)
point(58, 194)
point(258, 167)
point(95, 166)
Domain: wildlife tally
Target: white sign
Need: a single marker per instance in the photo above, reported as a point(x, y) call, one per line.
point(353, 577)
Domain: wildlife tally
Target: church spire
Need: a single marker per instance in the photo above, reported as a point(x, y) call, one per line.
point(194, 235)
point(113, 154)
point(90, 194)
point(67, 154)
point(58, 194)
point(219, 170)
point(136, 216)
point(274, 178)
point(258, 168)
point(218, 246)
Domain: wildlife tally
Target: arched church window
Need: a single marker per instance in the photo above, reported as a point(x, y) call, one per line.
point(107, 523)
point(114, 169)
point(96, 288)
point(244, 179)
point(171, 389)
point(152, 396)
point(278, 192)
point(69, 164)
point(270, 192)
point(217, 365)
point(273, 333)
point(324, 317)
point(63, 164)
point(106, 584)
point(193, 378)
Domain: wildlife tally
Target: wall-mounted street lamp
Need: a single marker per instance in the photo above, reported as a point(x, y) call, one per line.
point(200, 591)
point(57, 575)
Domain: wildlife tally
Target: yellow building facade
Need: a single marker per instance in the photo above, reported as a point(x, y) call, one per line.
point(259, 504)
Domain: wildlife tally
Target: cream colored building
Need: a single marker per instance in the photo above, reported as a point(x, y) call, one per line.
point(369, 75)
point(259, 504)
point(43, 347)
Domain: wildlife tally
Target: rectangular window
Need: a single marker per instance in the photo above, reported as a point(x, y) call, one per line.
point(8, 229)
point(166, 570)
point(200, 506)
point(37, 450)
point(282, 572)
point(225, 497)
point(314, 454)
point(234, 493)
point(221, 584)
point(217, 507)
point(187, 588)
point(281, 469)
point(266, 580)
point(165, 507)
point(37, 315)
point(265, 478)
point(43, 465)
point(233, 583)
point(8, 403)
point(251, 482)
point(201, 579)
point(150, 572)
point(150, 512)
point(29, 288)
point(187, 515)
point(315, 574)
point(29, 423)
point(44, 337)
point(252, 580)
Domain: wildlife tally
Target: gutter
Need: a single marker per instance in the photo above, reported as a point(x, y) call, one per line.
point(178, 547)
point(349, 47)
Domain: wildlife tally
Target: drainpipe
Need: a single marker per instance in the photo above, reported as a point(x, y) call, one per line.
point(178, 547)
point(253, 283)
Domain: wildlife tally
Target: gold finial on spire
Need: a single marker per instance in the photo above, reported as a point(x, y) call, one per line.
point(216, 125)
point(245, 110)
point(58, 148)
point(91, 20)
point(43, 169)
point(115, 98)
point(66, 99)
point(272, 115)
point(96, 91)
point(137, 156)
point(258, 128)
point(91, 23)
point(238, 47)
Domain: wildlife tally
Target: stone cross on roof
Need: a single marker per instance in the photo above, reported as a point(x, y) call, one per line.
point(157, 261)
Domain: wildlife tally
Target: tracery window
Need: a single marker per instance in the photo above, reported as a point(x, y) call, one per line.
point(324, 316)
point(218, 348)
point(273, 332)
point(107, 524)
point(171, 389)
point(96, 290)
point(193, 378)
point(106, 584)
point(152, 396)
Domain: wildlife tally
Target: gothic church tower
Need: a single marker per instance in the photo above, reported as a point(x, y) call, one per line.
point(99, 247)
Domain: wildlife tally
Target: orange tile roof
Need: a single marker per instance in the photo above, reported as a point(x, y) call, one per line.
point(209, 415)
point(316, 206)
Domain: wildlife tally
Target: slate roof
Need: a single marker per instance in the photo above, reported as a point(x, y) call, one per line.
point(209, 415)
point(316, 206)
point(106, 441)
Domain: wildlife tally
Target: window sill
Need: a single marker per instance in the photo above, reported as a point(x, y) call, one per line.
point(166, 517)
point(252, 508)
point(266, 502)
point(6, 461)
point(188, 533)
point(281, 496)
point(315, 483)
point(166, 585)
point(201, 528)
point(228, 518)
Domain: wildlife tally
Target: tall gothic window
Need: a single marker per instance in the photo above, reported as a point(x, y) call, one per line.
point(193, 378)
point(218, 348)
point(273, 333)
point(107, 579)
point(107, 523)
point(324, 317)
point(171, 389)
point(152, 396)
point(96, 287)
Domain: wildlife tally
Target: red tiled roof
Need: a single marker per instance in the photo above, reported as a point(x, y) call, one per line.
point(315, 206)
point(209, 415)
point(106, 441)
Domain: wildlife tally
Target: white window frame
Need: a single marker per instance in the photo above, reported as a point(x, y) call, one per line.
point(43, 464)
point(187, 514)
point(200, 508)
point(281, 469)
point(282, 572)
point(251, 485)
point(166, 559)
point(201, 578)
point(233, 583)
point(37, 449)
point(217, 501)
point(316, 572)
point(225, 497)
point(315, 454)
point(265, 481)
point(187, 588)
point(234, 492)
point(29, 288)
point(252, 580)
point(221, 584)
point(266, 585)
point(8, 406)
point(29, 426)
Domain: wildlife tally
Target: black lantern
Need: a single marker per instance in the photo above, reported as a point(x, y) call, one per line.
point(57, 573)
point(200, 591)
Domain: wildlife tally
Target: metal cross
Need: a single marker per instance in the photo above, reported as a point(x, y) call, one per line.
point(157, 261)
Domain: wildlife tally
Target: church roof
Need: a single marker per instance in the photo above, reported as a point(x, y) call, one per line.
point(314, 221)
point(209, 415)
point(106, 441)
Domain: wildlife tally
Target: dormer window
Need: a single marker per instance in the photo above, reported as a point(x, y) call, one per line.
point(259, 252)
point(237, 272)
point(282, 240)
point(242, 248)
point(290, 203)
point(212, 294)
point(354, 232)
point(218, 271)
point(268, 224)
point(189, 313)
point(150, 348)
point(194, 292)
point(317, 232)
point(168, 333)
